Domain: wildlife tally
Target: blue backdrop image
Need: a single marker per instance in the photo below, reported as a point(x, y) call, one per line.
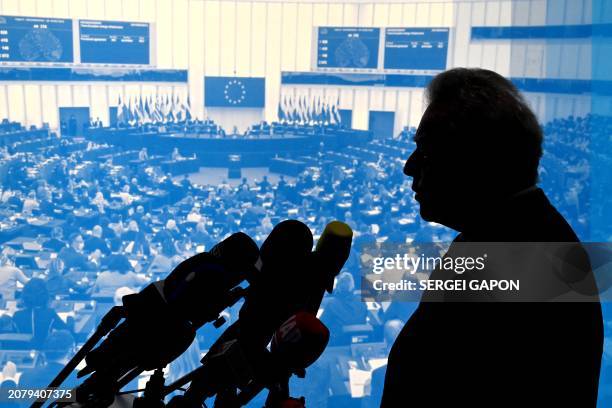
point(111, 176)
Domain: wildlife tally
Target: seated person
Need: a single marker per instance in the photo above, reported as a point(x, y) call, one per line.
point(10, 275)
point(99, 202)
point(120, 293)
point(30, 204)
point(95, 241)
point(163, 262)
point(6, 385)
point(74, 257)
point(391, 331)
point(58, 348)
point(7, 325)
point(118, 273)
point(168, 235)
point(36, 317)
point(116, 260)
point(343, 308)
point(143, 154)
point(201, 236)
point(264, 184)
point(134, 234)
point(59, 280)
point(109, 281)
point(176, 155)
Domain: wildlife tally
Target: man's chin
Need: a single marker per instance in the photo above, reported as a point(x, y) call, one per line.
point(426, 213)
point(430, 213)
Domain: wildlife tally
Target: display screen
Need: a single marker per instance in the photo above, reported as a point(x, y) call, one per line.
point(416, 48)
point(348, 47)
point(114, 42)
point(35, 39)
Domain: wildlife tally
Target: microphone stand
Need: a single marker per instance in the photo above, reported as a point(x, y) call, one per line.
point(108, 323)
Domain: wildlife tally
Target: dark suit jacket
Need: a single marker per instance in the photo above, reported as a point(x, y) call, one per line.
point(500, 354)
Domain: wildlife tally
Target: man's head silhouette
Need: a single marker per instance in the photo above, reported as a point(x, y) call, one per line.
point(478, 144)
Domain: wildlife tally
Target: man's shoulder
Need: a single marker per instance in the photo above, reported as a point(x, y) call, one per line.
point(545, 222)
point(9, 270)
point(528, 218)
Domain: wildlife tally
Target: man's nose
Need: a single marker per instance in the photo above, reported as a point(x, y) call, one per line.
point(411, 166)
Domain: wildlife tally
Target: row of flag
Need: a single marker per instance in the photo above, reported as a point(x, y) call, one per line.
point(308, 109)
point(138, 110)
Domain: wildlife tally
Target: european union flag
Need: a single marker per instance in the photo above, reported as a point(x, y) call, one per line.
point(234, 92)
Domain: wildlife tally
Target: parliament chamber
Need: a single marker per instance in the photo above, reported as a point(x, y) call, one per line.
point(117, 164)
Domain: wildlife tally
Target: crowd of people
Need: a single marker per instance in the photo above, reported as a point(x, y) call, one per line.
point(570, 150)
point(78, 226)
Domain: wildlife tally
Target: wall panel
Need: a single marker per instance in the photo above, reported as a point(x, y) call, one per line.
point(259, 38)
point(94, 8)
point(227, 38)
point(335, 14)
point(304, 38)
point(49, 107)
point(289, 22)
point(212, 40)
point(243, 42)
point(78, 8)
point(180, 34)
point(32, 100)
point(4, 102)
point(16, 108)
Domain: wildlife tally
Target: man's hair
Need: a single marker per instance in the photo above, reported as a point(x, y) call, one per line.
point(35, 293)
point(492, 119)
point(74, 236)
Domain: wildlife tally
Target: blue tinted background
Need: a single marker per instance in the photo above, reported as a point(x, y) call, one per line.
point(161, 206)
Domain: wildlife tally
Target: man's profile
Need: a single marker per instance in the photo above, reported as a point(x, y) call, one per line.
point(475, 170)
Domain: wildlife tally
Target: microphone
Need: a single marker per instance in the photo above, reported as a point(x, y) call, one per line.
point(331, 253)
point(299, 341)
point(160, 321)
point(265, 308)
point(284, 263)
point(292, 279)
point(297, 344)
point(170, 311)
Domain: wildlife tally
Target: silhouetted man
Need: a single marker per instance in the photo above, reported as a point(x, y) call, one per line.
point(475, 170)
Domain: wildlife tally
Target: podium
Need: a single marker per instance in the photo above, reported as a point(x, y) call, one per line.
point(233, 169)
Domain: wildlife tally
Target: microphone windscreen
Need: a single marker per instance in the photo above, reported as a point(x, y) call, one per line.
point(299, 341)
point(200, 284)
point(289, 242)
point(334, 248)
point(238, 248)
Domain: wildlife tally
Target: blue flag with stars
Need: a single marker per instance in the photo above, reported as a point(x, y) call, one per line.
point(234, 92)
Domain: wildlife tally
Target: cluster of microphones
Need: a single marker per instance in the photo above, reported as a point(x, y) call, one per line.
point(276, 336)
